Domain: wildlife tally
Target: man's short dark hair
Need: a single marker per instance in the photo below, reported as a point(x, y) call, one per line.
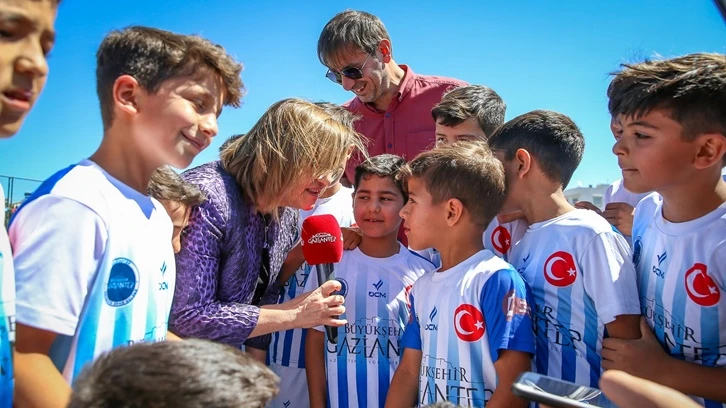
point(471, 101)
point(552, 139)
point(467, 171)
point(166, 184)
point(350, 30)
point(691, 89)
point(383, 165)
point(153, 56)
point(190, 373)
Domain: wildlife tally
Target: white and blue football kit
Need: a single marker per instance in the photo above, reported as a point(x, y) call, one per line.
point(93, 263)
point(501, 238)
point(361, 365)
point(681, 271)
point(582, 278)
point(460, 320)
point(286, 355)
point(7, 314)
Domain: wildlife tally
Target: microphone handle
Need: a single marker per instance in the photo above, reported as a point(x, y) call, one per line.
point(326, 273)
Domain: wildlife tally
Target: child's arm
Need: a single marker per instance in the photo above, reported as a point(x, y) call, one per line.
point(624, 327)
point(510, 364)
point(315, 367)
point(38, 383)
point(403, 391)
point(645, 358)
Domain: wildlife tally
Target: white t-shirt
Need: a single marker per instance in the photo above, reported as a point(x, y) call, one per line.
point(617, 193)
point(460, 319)
point(501, 238)
point(582, 277)
point(287, 347)
point(7, 314)
point(93, 263)
point(361, 365)
point(681, 271)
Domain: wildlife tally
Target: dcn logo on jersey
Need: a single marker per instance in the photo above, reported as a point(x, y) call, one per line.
point(376, 293)
point(700, 287)
point(560, 270)
point(469, 323)
point(321, 238)
point(501, 239)
point(431, 325)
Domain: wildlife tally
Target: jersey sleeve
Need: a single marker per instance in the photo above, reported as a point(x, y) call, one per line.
point(58, 245)
point(609, 276)
point(506, 302)
point(412, 333)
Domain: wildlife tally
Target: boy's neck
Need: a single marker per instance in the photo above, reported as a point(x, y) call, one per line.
point(693, 200)
point(457, 248)
point(545, 204)
point(330, 191)
point(383, 247)
point(119, 158)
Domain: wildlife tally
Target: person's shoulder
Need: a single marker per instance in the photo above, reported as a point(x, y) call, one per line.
point(416, 260)
point(219, 186)
point(581, 223)
point(438, 80)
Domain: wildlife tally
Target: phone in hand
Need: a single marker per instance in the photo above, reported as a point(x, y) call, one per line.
point(558, 393)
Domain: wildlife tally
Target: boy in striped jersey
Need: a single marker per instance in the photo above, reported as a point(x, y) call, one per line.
point(578, 267)
point(470, 333)
point(376, 278)
point(673, 114)
point(94, 263)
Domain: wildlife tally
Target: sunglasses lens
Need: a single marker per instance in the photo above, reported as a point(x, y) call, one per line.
point(334, 76)
point(353, 73)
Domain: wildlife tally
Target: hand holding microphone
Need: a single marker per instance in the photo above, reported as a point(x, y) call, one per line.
point(322, 246)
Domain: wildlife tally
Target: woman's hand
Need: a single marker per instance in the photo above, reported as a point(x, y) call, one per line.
point(320, 307)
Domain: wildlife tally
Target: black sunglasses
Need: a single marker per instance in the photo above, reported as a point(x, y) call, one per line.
point(352, 73)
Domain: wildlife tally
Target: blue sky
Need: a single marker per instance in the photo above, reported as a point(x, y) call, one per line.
point(536, 54)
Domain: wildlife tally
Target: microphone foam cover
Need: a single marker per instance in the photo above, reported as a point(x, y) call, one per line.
point(322, 240)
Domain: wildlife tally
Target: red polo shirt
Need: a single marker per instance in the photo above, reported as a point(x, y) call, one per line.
point(406, 127)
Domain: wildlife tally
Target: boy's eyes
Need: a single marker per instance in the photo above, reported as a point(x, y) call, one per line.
point(639, 135)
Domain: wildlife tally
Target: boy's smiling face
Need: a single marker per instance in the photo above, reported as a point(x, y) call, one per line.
point(376, 203)
point(179, 120)
point(26, 38)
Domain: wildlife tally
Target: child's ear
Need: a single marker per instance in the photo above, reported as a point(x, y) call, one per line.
point(454, 211)
point(523, 160)
point(711, 150)
point(126, 93)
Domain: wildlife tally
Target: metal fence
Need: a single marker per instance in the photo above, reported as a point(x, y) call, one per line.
point(16, 189)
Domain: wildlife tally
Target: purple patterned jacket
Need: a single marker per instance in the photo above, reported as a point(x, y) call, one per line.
point(219, 262)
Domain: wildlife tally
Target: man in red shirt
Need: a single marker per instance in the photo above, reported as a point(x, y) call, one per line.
point(393, 102)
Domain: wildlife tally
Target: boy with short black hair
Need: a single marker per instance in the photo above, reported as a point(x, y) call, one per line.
point(470, 333)
point(578, 267)
point(192, 373)
point(471, 112)
point(673, 114)
point(23, 72)
point(94, 266)
point(376, 278)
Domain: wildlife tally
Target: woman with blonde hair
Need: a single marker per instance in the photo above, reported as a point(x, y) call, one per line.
point(236, 241)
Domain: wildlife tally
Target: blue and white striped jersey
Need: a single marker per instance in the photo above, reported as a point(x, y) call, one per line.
point(287, 348)
point(361, 365)
point(582, 278)
point(501, 238)
point(681, 271)
point(7, 314)
point(93, 263)
point(460, 320)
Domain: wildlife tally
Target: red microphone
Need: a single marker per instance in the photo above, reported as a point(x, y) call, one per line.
point(322, 246)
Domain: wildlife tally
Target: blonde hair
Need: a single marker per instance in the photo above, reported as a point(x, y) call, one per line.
point(293, 140)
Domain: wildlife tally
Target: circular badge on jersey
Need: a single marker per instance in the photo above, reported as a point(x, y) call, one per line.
point(700, 287)
point(343, 287)
point(637, 248)
point(501, 240)
point(469, 323)
point(123, 282)
point(560, 269)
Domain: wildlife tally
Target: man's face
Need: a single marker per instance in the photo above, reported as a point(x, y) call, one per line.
point(26, 38)
point(465, 131)
point(374, 82)
point(179, 120)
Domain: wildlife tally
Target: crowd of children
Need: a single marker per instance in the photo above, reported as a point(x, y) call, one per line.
point(501, 274)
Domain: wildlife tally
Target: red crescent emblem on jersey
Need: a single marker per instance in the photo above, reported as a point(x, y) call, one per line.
point(468, 322)
point(560, 270)
point(501, 240)
point(700, 287)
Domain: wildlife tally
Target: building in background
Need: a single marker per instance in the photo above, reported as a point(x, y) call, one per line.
point(589, 193)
